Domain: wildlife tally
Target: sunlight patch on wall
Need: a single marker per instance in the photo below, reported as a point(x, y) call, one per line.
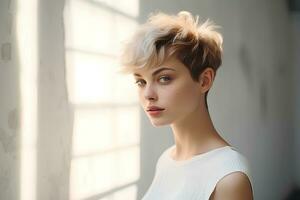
point(128, 193)
point(96, 29)
point(106, 147)
point(92, 79)
point(130, 7)
point(97, 174)
point(101, 129)
point(26, 35)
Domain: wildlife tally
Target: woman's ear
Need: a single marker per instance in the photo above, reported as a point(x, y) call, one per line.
point(206, 79)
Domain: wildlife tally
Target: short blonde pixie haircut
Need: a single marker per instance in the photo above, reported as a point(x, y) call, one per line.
point(196, 46)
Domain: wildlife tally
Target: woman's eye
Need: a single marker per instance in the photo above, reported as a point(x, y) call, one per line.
point(165, 79)
point(162, 79)
point(139, 82)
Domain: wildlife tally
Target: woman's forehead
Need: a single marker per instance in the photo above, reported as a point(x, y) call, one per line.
point(158, 70)
point(171, 64)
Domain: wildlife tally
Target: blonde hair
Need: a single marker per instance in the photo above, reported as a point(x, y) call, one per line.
point(180, 34)
point(196, 46)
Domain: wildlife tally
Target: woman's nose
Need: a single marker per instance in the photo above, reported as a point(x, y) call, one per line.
point(150, 93)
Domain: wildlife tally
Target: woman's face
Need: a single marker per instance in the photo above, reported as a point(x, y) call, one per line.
point(170, 87)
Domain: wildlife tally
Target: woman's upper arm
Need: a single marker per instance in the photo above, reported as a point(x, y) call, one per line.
point(234, 186)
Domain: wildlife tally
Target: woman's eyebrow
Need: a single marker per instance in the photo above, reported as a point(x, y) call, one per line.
point(157, 71)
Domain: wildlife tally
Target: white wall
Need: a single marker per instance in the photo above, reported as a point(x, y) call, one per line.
point(252, 89)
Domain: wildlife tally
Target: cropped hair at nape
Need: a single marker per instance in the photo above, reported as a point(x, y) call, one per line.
point(197, 46)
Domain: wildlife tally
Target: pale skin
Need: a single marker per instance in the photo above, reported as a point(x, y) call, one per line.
point(170, 86)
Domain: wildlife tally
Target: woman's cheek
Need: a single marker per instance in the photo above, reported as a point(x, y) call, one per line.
point(187, 96)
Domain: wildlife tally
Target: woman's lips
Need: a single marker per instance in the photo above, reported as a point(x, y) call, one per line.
point(155, 112)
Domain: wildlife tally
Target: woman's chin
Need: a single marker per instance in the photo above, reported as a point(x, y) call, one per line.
point(159, 123)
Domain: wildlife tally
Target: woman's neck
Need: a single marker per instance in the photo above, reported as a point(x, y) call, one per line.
point(195, 134)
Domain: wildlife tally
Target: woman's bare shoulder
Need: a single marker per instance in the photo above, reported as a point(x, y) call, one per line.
point(234, 186)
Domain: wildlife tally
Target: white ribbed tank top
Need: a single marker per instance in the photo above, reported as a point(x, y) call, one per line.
point(195, 178)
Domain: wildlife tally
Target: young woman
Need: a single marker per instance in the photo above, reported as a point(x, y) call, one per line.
point(174, 62)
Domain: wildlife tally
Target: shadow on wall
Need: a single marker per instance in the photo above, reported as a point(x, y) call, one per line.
point(294, 194)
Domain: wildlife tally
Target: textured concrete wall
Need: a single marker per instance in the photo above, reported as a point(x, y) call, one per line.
point(54, 113)
point(54, 122)
point(9, 105)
